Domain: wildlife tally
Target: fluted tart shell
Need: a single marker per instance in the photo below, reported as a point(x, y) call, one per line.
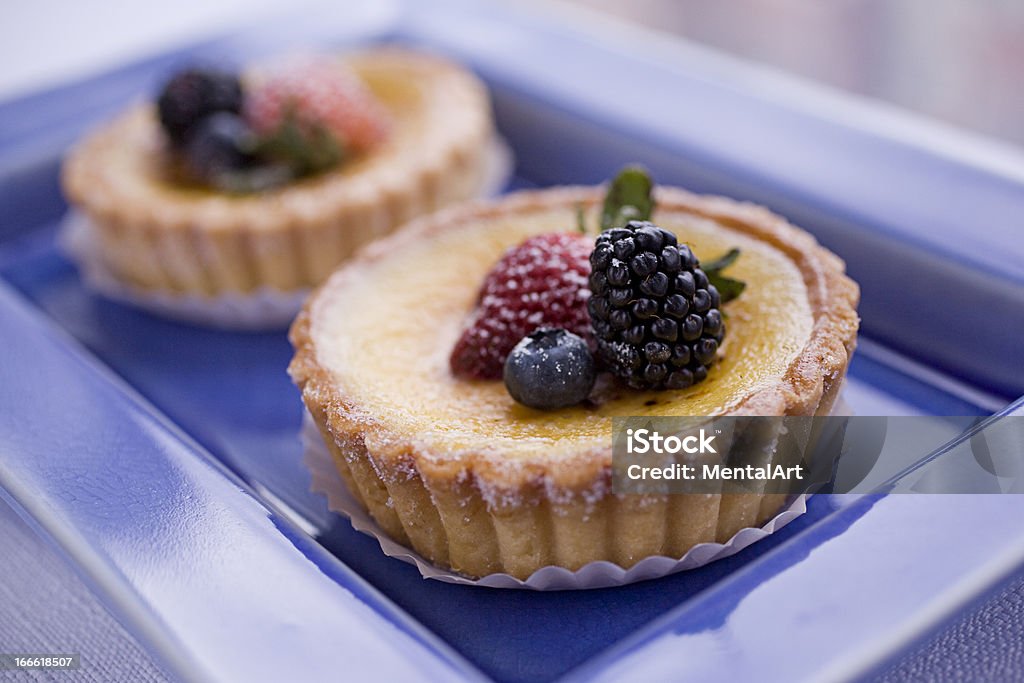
point(155, 233)
point(479, 484)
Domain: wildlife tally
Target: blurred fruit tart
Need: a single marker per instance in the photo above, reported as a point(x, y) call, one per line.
point(231, 183)
point(464, 372)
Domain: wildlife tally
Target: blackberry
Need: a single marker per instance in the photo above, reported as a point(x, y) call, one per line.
point(655, 316)
point(194, 94)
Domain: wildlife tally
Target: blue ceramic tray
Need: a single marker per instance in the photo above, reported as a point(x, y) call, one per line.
point(163, 460)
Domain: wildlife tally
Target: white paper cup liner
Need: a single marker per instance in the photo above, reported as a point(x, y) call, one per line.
point(263, 309)
point(327, 481)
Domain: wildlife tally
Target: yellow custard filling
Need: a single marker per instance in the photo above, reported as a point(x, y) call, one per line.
point(386, 337)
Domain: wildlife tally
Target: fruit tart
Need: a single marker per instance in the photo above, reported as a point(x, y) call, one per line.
point(231, 183)
point(464, 372)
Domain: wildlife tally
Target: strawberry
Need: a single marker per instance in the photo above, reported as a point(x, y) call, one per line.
point(540, 283)
point(312, 103)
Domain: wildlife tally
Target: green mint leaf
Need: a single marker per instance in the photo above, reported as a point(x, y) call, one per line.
point(308, 149)
point(628, 198)
point(729, 288)
point(722, 262)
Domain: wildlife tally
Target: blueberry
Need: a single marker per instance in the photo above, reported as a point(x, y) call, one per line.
point(219, 145)
point(192, 95)
point(550, 369)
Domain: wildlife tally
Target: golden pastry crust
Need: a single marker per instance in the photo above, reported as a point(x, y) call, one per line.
point(154, 234)
point(479, 511)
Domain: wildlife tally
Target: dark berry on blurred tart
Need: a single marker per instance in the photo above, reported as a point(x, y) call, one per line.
point(192, 95)
point(220, 144)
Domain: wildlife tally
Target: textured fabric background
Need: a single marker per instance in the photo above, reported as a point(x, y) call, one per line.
point(986, 644)
point(46, 609)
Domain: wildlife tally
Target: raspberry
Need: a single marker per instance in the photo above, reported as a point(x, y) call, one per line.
point(655, 315)
point(540, 283)
point(318, 95)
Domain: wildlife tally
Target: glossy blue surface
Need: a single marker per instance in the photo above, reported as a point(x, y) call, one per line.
point(808, 612)
point(212, 582)
point(230, 393)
